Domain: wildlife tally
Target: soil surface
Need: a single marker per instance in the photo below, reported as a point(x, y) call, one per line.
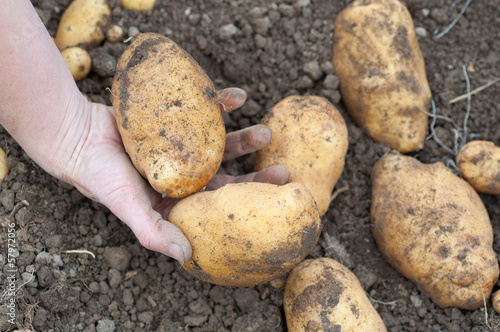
point(271, 49)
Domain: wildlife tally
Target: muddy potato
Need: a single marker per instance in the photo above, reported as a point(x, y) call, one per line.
point(78, 61)
point(244, 234)
point(83, 23)
point(479, 164)
point(381, 71)
point(168, 116)
point(323, 295)
point(4, 169)
point(433, 227)
point(310, 140)
point(138, 4)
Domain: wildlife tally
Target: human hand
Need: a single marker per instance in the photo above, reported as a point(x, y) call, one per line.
point(103, 172)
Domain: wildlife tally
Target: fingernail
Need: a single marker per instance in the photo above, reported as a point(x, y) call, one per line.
point(177, 253)
point(265, 133)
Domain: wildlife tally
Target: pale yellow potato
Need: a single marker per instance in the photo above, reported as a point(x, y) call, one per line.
point(323, 295)
point(310, 139)
point(78, 61)
point(168, 116)
point(495, 300)
point(138, 5)
point(479, 164)
point(244, 234)
point(114, 34)
point(4, 169)
point(83, 23)
point(381, 70)
point(433, 227)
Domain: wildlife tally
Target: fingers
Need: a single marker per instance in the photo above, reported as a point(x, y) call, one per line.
point(275, 174)
point(246, 141)
point(231, 99)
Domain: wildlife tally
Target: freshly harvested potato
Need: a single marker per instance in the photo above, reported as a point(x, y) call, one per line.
point(78, 61)
point(495, 300)
point(83, 23)
point(381, 71)
point(323, 295)
point(168, 115)
point(138, 5)
point(244, 234)
point(4, 169)
point(479, 164)
point(114, 34)
point(310, 140)
point(433, 227)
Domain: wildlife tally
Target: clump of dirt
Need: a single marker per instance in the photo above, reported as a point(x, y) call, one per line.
point(272, 50)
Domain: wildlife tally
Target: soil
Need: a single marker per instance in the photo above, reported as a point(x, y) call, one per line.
point(272, 50)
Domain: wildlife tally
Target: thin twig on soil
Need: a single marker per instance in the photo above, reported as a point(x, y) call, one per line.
point(381, 302)
point(448, 28)
point(337, 192)
point(467, 113)
point(80, 251)
point(433, 131)
point(484, 302)
point(473, 92)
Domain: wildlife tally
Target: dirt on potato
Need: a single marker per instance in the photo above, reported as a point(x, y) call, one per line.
point(272, 50)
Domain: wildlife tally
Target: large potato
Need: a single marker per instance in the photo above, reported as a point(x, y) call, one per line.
point(433, 227)
point(247, 233)
point(382, 73)
point(83, 23)
point(310, 140)
point(323, 295)
point(479, 164)
point(168, 115)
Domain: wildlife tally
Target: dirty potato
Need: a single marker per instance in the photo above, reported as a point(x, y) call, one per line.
point(168, 116)
point(479, 164)
point(247, 233)
point(323, 295)
point(4, 169)
point(310, 140)
point(83, 23)
point(381, 70)
point(78, 61)
point(433, 227)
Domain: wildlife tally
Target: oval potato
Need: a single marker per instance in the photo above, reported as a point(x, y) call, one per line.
point(168, 116)
point(83, 23)
point(323, 295)
point(479, 164)
point(78, 61)
point(310, 139)
point(138, 5)
point(244, 234)
point(4, 169)
point(433, 227)
point(381, 71)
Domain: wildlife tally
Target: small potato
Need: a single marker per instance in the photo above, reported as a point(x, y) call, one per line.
point(381, 71)
point(479, 164)
point(323, 295)
point(78, 61)
point(4, 169)
point(433, 227)
point(495, 300)
point(310, 140)
point(168, 116)
point(245, 234)
point(114, 34)
point(83, 23)
point(138, 5)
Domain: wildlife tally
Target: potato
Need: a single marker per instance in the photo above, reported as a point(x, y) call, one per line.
point(310, 139)
point(78, 61)
point(381, 72)
point(114, 34)
point(138, 4)
point(433, 227)
point(323, 295)
point(479, 164)
point(244, 234)
point(83, 23)
point(168, 115)
point(495, 300)
point(4, 169)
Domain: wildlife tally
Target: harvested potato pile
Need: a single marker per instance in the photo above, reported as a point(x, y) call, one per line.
point(238, 244)
point(433, 227)
point(310, 140)
point(168, 115)
point(382, 73)
point(479, 164)
point(323, 295)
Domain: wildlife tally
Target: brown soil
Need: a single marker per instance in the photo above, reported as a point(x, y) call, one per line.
point(272, 50)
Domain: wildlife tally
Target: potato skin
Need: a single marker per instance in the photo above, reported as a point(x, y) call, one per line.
point(323, 295)
point(138, 4)
point(4, 169)
point(310, 140)
point(381, 71)
point(479, 164)
point(168, 116)
point(244, 234)
point(78, 60)
point(433, 227)
point(83, 23)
